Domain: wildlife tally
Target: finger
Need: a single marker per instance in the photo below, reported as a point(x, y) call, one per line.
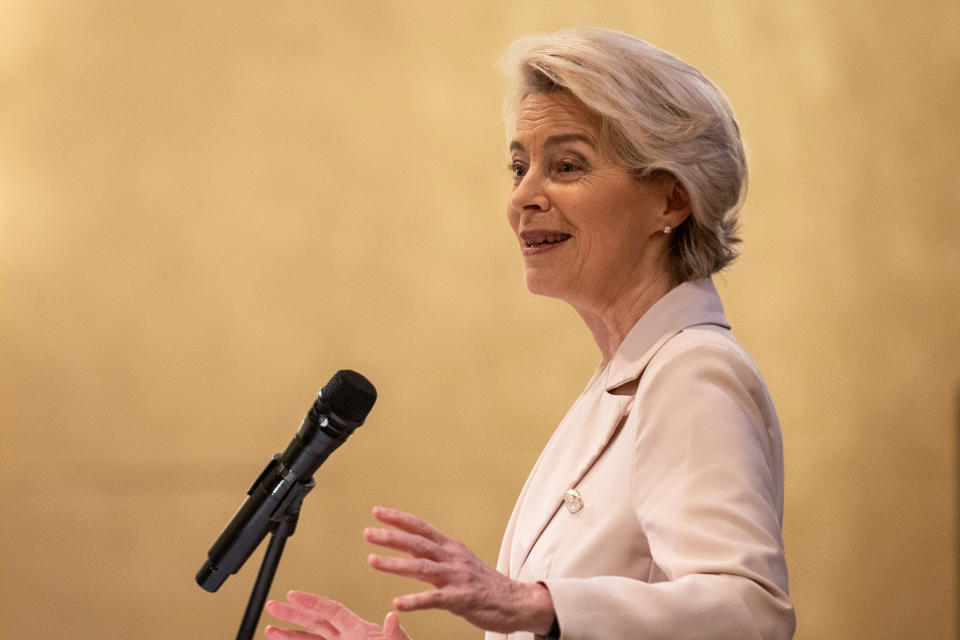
point(416, 545)
point(432, 599)
point(310, 600)
point(277, 633)
point(418, 568)
point(300, 615)
point(408, 522)
point(392, 629)
point(332, 611)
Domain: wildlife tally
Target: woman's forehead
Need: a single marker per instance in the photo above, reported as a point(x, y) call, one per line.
point(555, 116)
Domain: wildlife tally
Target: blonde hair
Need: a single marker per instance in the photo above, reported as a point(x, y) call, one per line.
point(658, 115)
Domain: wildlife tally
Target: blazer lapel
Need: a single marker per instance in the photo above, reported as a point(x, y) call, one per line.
point(576, 445)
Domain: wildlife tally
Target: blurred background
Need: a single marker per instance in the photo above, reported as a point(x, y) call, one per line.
point(209, 207)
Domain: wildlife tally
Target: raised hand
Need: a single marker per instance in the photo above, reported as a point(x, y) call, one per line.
point(464, 585)
point(327, 620)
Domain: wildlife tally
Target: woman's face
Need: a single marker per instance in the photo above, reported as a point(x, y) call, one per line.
point(588, 229)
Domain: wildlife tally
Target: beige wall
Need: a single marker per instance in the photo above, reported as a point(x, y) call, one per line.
point(210, 207)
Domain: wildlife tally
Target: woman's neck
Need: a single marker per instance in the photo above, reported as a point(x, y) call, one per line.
point(610, 320)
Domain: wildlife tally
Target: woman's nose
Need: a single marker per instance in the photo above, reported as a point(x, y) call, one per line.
point(529, 195)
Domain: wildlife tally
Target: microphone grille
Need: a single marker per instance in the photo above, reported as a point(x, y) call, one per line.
point(350, 395)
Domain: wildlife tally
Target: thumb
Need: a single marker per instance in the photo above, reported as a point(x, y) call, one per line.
point(391, 627)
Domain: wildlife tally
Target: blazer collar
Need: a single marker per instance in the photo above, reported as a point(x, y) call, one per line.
point(688, 304)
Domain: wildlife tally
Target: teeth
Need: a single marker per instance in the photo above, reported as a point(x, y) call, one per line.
point(552, 238)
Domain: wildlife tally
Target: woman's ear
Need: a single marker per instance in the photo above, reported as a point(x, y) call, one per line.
point(678, 204)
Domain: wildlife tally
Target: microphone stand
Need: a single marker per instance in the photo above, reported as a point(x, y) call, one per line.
point(284, 523)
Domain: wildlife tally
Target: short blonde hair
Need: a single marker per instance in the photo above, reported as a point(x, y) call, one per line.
point(658, 114)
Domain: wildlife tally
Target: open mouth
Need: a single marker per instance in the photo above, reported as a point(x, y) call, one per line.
point(545, 239)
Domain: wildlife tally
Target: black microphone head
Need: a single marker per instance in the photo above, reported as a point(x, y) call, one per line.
point(349, 395)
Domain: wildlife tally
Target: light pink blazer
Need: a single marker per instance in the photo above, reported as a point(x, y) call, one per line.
point(675, 450)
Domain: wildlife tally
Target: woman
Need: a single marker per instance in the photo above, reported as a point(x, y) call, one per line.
point(655, 509)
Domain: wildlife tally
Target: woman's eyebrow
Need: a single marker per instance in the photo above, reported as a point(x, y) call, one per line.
point(560, 138)
point(564, 138)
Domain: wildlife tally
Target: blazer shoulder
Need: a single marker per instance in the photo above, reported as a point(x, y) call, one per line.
point(706, 345)
point(706, 362)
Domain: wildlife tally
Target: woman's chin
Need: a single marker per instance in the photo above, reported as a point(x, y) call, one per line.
point(540, 285)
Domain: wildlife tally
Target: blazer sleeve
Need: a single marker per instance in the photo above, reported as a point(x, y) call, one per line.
point(707, 487)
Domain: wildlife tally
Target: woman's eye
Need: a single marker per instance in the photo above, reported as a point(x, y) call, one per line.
point(567, 167)
point(518, 170)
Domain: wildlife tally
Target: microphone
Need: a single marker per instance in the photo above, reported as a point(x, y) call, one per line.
point(341, 406)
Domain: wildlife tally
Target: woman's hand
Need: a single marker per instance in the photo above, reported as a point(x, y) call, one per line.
point(327, 620)
point(464, 584)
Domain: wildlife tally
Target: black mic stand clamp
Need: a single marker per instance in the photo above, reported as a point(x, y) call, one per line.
point(283, 523)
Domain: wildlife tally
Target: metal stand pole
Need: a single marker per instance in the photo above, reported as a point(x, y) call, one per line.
point(286, 524)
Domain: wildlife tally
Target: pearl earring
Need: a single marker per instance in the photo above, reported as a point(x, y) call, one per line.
point(666, 230)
